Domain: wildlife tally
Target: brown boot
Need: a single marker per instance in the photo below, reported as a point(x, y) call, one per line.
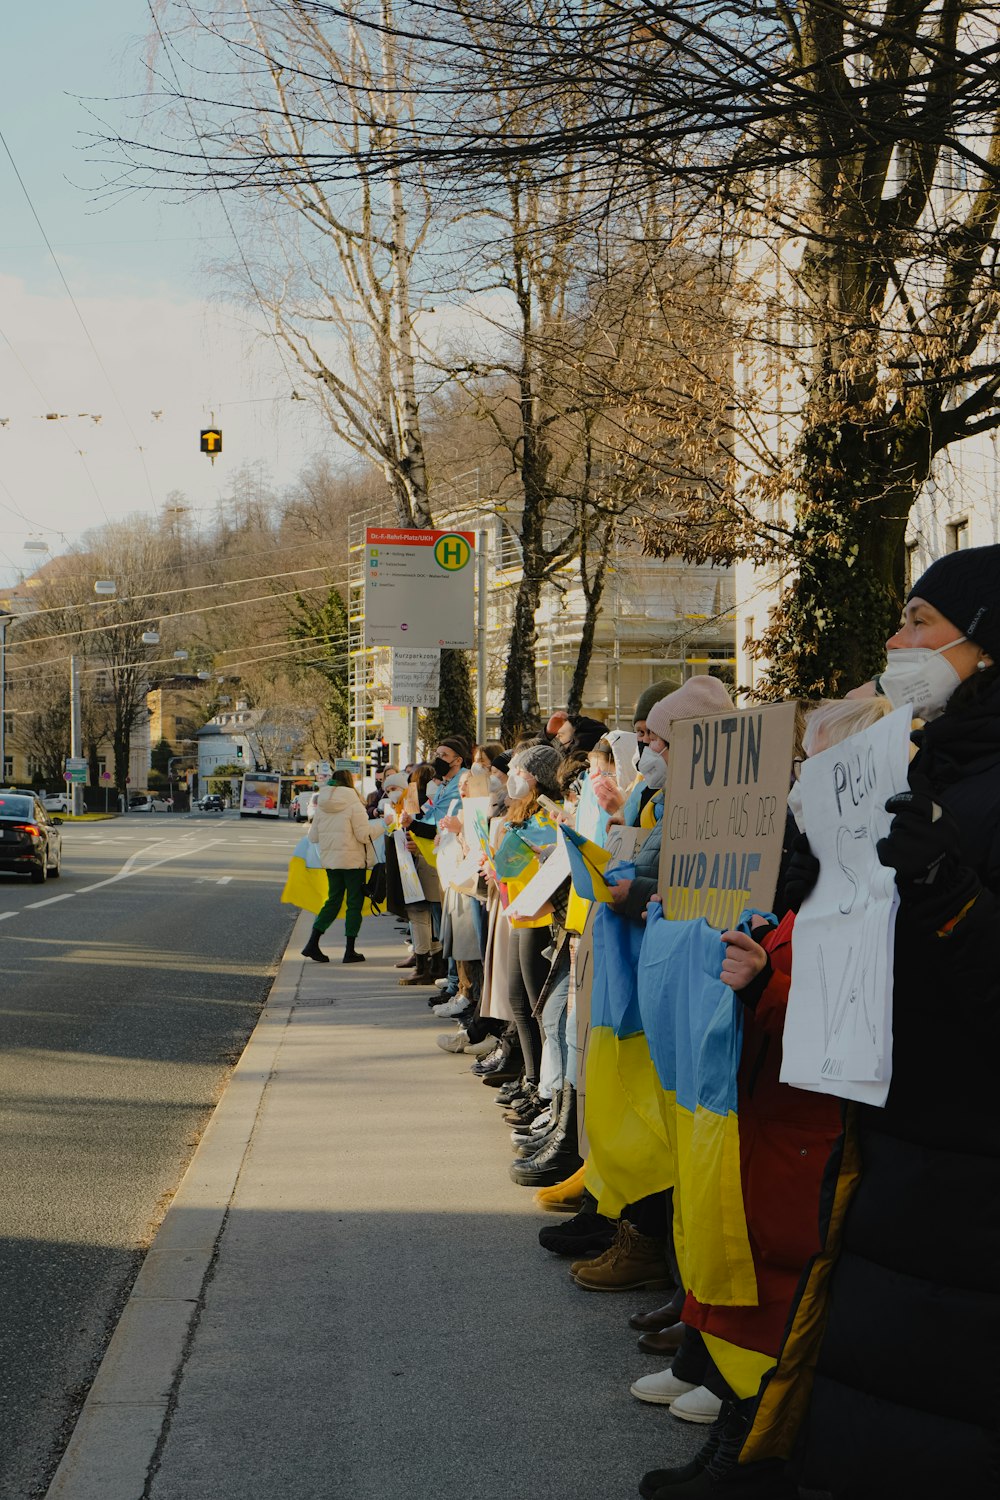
point(422, 971)
point(409, 962)
point(634, 1261)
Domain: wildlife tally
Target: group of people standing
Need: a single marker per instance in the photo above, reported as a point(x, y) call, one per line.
point(865, 1363)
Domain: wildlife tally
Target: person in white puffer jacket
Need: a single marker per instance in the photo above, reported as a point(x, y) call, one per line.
point(345, 836)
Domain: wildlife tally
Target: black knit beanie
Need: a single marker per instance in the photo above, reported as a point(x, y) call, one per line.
point(965, 587)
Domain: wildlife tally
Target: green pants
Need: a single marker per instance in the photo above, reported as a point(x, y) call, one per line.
point(341, 882)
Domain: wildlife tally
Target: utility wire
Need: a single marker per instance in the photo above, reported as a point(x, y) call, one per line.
point(83, 324)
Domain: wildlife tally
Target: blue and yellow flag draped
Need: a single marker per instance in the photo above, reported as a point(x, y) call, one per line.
point(694, 1027)
point(588, 864)
point(306, 884)
point(628, 1156)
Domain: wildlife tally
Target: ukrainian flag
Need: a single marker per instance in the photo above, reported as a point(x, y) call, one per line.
point(588, 863)
point(306, 885)
point(694, 1027)
point(628, 1158)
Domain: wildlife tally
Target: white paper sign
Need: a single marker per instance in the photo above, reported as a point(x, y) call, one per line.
point(838, 1028)
point(413, 891)
point(542, 886)
point(455, 867)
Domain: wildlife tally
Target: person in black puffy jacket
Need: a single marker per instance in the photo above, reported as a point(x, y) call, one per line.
point(906, 1399)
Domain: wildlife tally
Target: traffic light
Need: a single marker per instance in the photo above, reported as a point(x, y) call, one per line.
point(239, 752)
point(379, 754)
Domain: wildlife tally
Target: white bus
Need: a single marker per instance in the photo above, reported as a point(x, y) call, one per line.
point(260, 795)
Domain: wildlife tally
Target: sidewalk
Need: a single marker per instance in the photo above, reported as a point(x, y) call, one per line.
point(347, 1299)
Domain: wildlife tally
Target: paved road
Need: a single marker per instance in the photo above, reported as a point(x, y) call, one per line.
point(127, 990)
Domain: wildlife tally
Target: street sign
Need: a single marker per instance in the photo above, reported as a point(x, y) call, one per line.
point(395, 723)
point(343, 764)
point(323, 770)
point(105, 775)
point(76, 771)
point(419, 589)
point(211, 440)
point(416, 678)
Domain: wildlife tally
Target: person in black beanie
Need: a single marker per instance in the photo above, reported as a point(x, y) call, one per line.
point(922, 1231)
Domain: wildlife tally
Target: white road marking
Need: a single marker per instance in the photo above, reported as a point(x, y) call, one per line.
point(224, 880)
point(127, 870)
point(34, 905)
point(5, 914)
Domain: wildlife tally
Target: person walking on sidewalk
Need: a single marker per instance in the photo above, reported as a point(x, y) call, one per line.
point(345, 836)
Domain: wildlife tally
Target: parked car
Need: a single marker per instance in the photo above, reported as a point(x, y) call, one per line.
point(30, 840)
point(150, 804)
point(57, 802)
point(311, 806)
point(212, 803)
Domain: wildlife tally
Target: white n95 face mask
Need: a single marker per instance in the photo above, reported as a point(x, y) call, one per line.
point(517, 785)
point(652, 768)
point(920, 676)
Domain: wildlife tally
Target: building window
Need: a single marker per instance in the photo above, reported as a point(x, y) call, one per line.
point(912, 548)
point(8, 768)
point(958, 535)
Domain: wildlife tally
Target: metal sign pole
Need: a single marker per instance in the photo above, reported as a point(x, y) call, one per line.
point(75, 733)
point(481, 637)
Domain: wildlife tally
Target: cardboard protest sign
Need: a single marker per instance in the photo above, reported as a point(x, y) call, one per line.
point(724, 820)
point(838, 1027)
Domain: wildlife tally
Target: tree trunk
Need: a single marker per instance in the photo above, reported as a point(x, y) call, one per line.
point(456, 710)
point(859, 485)
point(521, 709)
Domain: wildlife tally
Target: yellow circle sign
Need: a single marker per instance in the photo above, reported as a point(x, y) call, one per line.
point(452, 552)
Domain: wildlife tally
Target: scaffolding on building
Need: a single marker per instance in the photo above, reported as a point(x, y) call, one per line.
point(368, 667)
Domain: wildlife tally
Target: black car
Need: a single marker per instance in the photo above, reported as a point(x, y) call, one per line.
point(30, 840)
point(212, 803)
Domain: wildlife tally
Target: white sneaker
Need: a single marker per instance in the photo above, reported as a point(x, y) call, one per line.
point(455, 1041)
point(449, 1009)
point(698, 1405)
point(663, 1388)
point(480, 1049)
point(442, 984)
point(543, 1122)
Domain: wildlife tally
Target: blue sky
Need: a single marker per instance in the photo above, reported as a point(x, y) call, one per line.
point(138, 266)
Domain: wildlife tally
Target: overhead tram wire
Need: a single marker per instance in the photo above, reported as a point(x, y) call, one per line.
point(192, 588)
point(78, 451)
point(83, 324)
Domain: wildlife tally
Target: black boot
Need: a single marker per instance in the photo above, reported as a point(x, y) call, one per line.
point(439, 965)
point(421, 973)
point(558, 1158)
point(351, 954)
point(312, 949)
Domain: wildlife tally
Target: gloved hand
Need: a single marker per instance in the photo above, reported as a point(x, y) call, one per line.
point(801, 874)
point(924, 849)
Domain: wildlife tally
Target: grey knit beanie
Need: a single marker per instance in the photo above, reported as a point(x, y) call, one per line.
point(648, 697)
point(542, 762)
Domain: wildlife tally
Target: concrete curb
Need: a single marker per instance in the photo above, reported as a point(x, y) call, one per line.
point(119, 1430)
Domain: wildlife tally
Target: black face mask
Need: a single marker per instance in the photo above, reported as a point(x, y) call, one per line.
point(442, 768)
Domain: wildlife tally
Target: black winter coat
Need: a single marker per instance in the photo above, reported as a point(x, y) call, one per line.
point(907, 1394)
